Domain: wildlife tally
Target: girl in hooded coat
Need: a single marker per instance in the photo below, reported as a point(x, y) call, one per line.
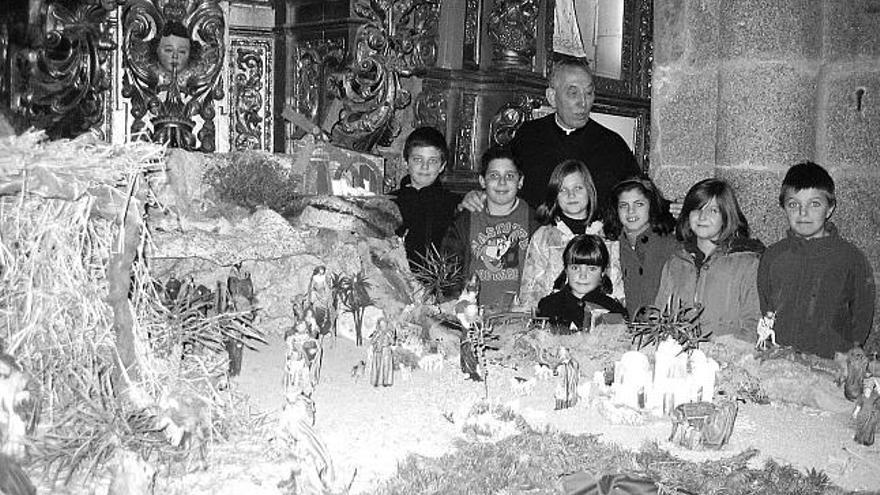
point(717, 265)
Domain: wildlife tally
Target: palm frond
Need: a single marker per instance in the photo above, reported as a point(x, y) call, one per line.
point(652, 325)
point(439, 273)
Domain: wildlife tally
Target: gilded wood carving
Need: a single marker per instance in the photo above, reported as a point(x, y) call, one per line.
point(396, 40)
point(173, 59)
point(67, 72)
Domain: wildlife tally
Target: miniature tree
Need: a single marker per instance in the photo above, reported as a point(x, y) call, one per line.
point(473, 351)
point(352, 293)
point(652, 325)
point(192, 320)
point(439, 273)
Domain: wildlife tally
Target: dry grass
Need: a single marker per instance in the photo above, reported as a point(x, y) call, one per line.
point(252, 180)
point(61, 205)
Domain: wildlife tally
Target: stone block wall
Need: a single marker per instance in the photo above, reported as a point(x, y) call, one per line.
point(743, 89)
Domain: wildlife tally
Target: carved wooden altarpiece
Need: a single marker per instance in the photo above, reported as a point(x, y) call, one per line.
point(171, 105)
point(474, 69)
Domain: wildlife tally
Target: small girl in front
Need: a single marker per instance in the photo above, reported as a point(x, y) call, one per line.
point(569, 209)
point(639, 218)
point(717, 266)
point(581, 285)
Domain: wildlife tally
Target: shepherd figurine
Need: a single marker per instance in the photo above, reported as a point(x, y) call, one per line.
point(568, 375)
point(381, 355)
point(467, 312)
point(765, 331)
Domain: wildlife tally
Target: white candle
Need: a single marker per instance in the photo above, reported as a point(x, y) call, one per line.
point(635, 375)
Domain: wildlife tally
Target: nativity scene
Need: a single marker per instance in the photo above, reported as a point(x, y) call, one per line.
point(427, 246)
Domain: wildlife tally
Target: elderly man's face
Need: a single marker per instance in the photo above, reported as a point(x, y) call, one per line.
point(572, 94)
point(173, 52)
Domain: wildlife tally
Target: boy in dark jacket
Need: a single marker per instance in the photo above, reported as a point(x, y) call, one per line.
point(820, 286)
point(426, 206)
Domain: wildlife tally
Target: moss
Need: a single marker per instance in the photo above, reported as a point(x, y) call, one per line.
point(534, 462)
point(252, 180)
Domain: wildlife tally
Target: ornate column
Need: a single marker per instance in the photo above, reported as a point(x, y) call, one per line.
point(251, 74)
point(487, 80)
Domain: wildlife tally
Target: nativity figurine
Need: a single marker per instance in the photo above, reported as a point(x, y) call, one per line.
point(866, 416)
point(568, 376)
point(380, 355)
point(765, 331)
point(856, 370)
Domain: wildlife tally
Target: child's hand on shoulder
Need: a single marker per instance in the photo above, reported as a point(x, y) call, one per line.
point(473, 201)
point(596, 228)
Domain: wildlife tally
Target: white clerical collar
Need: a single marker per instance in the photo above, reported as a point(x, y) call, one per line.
point(567, 130)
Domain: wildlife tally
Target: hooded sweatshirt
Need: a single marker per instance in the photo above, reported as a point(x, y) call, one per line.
point(822, 291)
point(724, 284)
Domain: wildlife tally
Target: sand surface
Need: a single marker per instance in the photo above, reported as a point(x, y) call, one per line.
point(371, 429)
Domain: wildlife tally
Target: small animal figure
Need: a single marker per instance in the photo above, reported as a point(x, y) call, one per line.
point(431, 362)
point(765, 330)
point(522, 386)
point(405, 373)
point(358, 370)
point(543, 372)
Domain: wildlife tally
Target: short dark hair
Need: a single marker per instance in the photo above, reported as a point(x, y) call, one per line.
point(426, 137)
point(174, 28)
point(661, 220)
point(734, 222)
point(585, 249)
point(549, 211)
point(807, 175)
point(564, 62)
point(497, 153)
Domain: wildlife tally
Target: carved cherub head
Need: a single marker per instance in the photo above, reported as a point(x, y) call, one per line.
point(174, 48)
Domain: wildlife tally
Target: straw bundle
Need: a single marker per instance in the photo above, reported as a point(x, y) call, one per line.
point(80, 311)
point(69, 168)
point(58, 231)
point(61, 210)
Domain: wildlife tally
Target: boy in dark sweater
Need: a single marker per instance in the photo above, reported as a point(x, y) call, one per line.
point(492, 243)
point(426, 206)
point(820, 286)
